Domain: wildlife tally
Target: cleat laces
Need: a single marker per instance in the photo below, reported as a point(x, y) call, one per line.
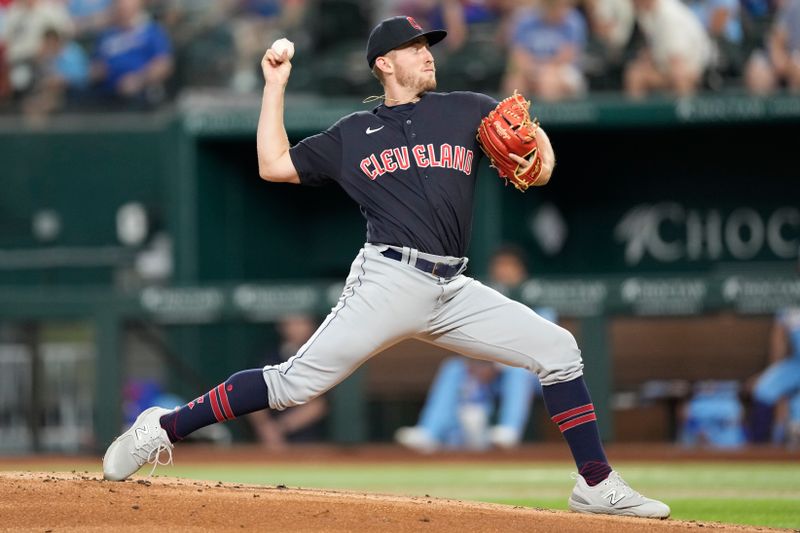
point(150, 452)
point(615, 482)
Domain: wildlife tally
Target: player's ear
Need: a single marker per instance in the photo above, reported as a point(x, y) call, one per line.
point(384, 65)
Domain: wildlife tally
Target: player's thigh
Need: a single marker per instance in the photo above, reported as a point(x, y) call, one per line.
point(376, 310)
point(482, 323)
point(341, 344)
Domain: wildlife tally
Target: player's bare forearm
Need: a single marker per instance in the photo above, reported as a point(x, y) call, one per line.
point(548, 156)
point(272, 140)
point(274, 162)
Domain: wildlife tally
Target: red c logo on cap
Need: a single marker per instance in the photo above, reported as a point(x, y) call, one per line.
point(414, 23)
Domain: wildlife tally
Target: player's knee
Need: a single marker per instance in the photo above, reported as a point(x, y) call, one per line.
point(282, 397)
point(567, 346)
point(564, 363)
point(284, 391)
point(765, 392)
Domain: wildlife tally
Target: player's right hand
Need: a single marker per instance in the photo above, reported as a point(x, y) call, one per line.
point(276, 68)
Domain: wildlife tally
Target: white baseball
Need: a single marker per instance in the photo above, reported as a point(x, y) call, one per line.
point(283, 44)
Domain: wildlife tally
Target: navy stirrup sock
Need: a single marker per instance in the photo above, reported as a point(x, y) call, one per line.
point(243, 392)
point(570, 406)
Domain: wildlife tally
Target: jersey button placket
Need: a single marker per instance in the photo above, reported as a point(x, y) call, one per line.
point(413, 135)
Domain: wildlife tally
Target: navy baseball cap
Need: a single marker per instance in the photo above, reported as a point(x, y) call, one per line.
point(395, 32)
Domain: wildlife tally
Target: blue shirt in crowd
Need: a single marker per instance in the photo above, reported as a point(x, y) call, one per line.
point(705, 9)
point(88, 8)
point(72, 65)
point(544, 39)
point(126, 50)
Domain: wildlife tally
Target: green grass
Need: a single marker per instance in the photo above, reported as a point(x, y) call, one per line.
point(761, 494)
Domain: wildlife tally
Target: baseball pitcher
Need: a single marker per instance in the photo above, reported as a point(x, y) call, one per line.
point(410, 164)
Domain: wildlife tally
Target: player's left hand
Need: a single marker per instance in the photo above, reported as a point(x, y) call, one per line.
point(527, 164)
point(507, 136)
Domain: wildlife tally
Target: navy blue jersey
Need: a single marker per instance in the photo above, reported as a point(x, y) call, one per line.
point(411, 168)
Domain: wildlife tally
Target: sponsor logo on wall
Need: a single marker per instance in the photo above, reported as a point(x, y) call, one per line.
point(668, 232)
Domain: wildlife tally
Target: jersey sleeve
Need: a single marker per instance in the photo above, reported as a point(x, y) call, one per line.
point(485, 103)
point(318, 159)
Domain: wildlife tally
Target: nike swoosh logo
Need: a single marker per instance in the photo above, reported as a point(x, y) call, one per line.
point(370, 130)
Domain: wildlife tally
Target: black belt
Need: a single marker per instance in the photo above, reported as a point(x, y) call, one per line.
point(442, 270)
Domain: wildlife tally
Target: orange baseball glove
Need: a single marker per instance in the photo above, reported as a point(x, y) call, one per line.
point(508, 129)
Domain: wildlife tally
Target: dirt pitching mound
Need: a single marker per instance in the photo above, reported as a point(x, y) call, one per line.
point(61, 502)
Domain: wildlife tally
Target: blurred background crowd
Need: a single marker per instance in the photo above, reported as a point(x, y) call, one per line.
point(106, 54)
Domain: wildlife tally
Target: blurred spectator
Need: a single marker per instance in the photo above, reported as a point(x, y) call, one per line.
point(4, 6)
point(25, 24)
point(202, 38)
point(713, 416)
point(337, 31)
point(757, 18)
point(5, 87)
point(677, 51)
point(187, 18)
point(90, 16)
point(781, 379)
point(61, 71)
point(547, 46)
point(462, 17)
point(302, 423)
point(133, 59)
point(258, 23)
point(612, 42)
point(780, 64)
point(460, 406)
point(722, 21)
point(612, 23)
point(423, 11)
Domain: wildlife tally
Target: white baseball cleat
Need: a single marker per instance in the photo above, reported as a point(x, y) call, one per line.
point(614, 496)
point(417, 438)
point(142, 443)
point(504, 437)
